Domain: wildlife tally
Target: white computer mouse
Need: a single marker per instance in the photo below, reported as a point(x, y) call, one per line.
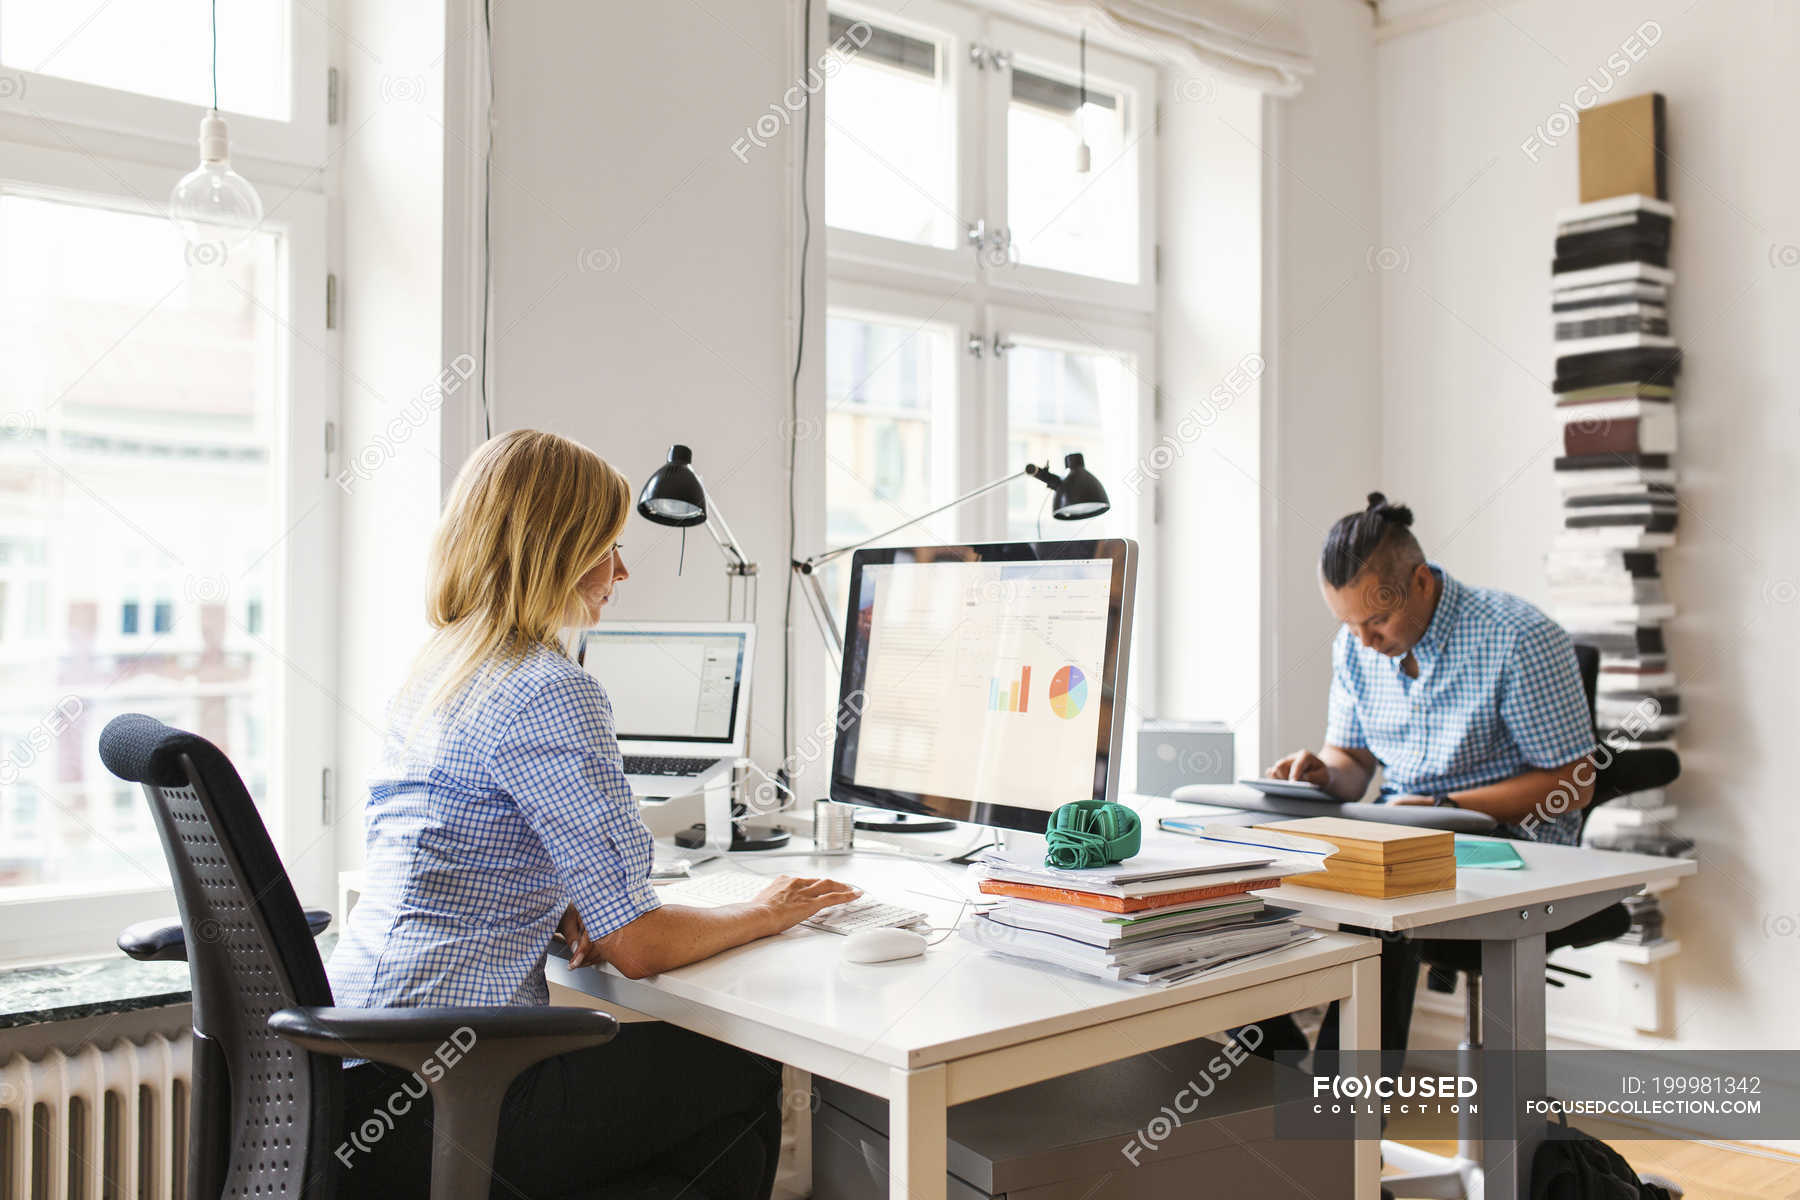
point(881, 945)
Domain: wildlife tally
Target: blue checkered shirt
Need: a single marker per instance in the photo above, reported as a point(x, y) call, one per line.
point(1498, 694)
point(483, 826)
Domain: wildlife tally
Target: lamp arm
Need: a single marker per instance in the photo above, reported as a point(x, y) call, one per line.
point(820, 606)
point(806, 566)
point(728, 543)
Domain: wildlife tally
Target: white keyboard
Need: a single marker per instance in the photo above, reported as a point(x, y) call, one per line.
point(714, 889)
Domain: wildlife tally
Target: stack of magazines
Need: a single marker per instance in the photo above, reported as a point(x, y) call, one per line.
point(1159, 918)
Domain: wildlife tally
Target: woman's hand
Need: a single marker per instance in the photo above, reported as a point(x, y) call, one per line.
point(583, 950)
point(790, 901)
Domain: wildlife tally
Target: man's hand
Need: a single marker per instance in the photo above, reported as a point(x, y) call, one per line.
point(1302, 766)
point(790, 901)
point(1413, 798)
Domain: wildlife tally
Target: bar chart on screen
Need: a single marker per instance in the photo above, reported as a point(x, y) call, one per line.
point(1012, 694)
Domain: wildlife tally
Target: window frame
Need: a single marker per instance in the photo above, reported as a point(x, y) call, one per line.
point(1092, 336)
point(956, 28)
point(889, 280)
point(96, 107)
point(51, 920)
point(1106, 68)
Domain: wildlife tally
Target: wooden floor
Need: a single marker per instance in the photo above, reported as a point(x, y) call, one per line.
point(1706, 1171)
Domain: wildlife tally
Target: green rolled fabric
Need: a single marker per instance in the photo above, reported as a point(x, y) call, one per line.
point(1092, 833)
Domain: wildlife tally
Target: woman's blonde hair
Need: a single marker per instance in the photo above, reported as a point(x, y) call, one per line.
point(529, 515)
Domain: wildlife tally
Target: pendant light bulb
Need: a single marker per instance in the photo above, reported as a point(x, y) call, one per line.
point(1084, 157)
point(212, 197)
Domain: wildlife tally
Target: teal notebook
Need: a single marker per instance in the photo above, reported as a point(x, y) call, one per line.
point(1493, 856)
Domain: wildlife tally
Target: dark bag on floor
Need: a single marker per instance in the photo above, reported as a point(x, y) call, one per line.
point(1579, 1166)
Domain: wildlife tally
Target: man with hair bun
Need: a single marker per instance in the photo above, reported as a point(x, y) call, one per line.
point(1463, 696)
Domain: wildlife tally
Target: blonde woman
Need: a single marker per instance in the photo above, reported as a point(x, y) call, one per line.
point(500, 814)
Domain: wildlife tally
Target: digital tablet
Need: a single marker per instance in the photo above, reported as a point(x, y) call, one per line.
point(1292, 788)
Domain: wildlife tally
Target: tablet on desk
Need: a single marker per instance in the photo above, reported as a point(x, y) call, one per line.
point(1294, 789)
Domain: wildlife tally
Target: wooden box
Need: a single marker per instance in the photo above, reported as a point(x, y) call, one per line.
point(1376, 859)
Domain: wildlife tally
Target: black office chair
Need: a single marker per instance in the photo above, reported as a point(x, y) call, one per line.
point(265, 1117)
point(1618, 773)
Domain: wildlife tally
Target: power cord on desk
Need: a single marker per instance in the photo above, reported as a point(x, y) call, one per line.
point(875, 852)
point(951, 928)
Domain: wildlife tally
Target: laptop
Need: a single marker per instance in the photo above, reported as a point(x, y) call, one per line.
point(680, 696)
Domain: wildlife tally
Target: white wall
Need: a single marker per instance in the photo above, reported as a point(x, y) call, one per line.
point(1321, 434)
point(641, 275)
point(1468, 428)
point(1207, 458)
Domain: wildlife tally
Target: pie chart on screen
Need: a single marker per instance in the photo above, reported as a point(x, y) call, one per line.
point(1068, 692)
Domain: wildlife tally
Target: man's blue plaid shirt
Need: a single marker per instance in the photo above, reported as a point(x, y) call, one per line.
point(1498, 693)
point(483, 826)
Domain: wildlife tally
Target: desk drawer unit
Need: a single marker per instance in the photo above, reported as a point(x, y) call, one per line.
point(1099, 1134)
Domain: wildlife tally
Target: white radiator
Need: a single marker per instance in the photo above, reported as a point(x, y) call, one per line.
point(97, 1124)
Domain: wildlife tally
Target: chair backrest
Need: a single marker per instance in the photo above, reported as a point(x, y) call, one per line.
point(1587, 661)
point(262, 1111)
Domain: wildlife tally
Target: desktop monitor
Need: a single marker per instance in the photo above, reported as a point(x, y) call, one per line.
point(677, 688)
point(984, 683)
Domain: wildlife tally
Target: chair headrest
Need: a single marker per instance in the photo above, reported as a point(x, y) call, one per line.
point(142, 749)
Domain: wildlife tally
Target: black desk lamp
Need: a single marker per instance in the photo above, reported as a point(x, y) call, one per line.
point(675, 496)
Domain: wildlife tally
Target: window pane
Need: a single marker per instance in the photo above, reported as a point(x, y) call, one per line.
point(138, 414)
point(889, 396)
point(157, 48)
point(1085, 222)
point(1069, 402)
point(890, 141)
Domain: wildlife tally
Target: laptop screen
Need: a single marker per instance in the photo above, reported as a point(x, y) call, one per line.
point(669, 685)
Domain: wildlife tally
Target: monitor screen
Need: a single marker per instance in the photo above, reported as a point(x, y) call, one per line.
point(979, 681)
point(669, 685)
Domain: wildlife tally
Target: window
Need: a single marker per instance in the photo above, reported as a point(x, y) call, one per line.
point(1084, 222)
point(166, 529)
point(890, 152)
point(158, 452)
point(144, 68)
point(157, 49)
point(1027, 333)
point(951, 146)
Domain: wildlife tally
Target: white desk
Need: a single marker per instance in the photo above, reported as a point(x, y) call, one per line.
point(1509, 913)
point(959, 1024)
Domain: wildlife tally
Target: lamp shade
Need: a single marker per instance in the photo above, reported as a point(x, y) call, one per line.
point(1079, 495)
point(673, 495)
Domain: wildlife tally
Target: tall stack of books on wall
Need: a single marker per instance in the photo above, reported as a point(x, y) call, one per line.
point(1616, 371)
point(1157, 918)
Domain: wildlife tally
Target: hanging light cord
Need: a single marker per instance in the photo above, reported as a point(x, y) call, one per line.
point(215, 54)
point(1083, 69)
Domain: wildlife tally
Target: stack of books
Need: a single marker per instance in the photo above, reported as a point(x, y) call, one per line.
point(1646, 919)
point(1616, 367)
point(1162, 917)
point(1615, 372)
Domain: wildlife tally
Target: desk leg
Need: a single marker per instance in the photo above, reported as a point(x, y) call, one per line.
point(1512, 1037)
point(917, 1134)
point(1359, 1028)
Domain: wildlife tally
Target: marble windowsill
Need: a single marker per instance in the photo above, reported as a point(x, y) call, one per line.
point(88, 987)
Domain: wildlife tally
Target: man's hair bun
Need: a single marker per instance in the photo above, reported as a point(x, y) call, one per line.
point(1360, 538)
point(1395, 514)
